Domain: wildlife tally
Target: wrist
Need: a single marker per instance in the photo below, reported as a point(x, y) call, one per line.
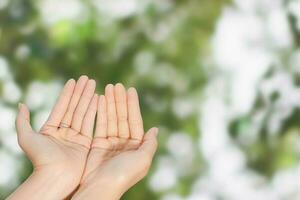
point(43, 184)
point(99, 189)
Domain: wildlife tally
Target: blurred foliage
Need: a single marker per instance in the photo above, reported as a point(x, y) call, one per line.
point(273, 151)
point(112, 51)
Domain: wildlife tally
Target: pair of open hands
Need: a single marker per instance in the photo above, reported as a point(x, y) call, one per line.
point(71, 160)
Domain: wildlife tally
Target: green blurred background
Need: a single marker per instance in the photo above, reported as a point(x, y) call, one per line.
point(219, 77)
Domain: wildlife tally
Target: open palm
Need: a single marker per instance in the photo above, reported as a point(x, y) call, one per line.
point(119, 150)
point(64, 141)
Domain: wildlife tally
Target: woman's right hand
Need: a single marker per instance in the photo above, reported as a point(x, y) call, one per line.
point(121, 153)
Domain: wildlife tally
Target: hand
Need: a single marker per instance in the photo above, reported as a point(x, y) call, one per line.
point(59, 151)
point(120, 155)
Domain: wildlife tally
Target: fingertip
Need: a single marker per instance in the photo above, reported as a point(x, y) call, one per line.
point(132, 90)
point(109, 92)
point(150, 142)
point(92, 81)
point(119, 85)
point(82, 80)
point(23, 110)
point(20, 105)
point(70, 85)
point(109, 87)
point(71, 81)
point(120, 91)
point(155, 131)
point(83, 77)
point(132, 93)
point(91, 84)
point(152, 132)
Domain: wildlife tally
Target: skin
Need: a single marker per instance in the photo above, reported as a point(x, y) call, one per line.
point(58, 154)
point(120, 154)
point(65, 155)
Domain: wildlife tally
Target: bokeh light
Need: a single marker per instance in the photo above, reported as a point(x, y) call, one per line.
point(220, 78)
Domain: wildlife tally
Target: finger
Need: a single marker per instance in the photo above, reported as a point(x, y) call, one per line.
point(61, 106)
point(89, 118)
point(149, 144)
point(101, 126)
point(23, 126)
point(121, 106)
point(80, 85)
point(83, 105)
point(134, 115)
point(112, 127)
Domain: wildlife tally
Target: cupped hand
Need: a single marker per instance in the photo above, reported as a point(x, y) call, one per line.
point(63, 143)
point(120, 153)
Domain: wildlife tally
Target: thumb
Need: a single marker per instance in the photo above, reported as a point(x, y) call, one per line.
point(23, 122)
point(149, 144)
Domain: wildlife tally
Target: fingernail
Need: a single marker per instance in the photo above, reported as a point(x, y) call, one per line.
point(20, 105)
point(92, 81)
point(119, 85)
point(83, 77)
point(155, 131)
point(109, 86)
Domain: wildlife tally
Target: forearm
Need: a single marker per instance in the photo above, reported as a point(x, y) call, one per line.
point(41, 185)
